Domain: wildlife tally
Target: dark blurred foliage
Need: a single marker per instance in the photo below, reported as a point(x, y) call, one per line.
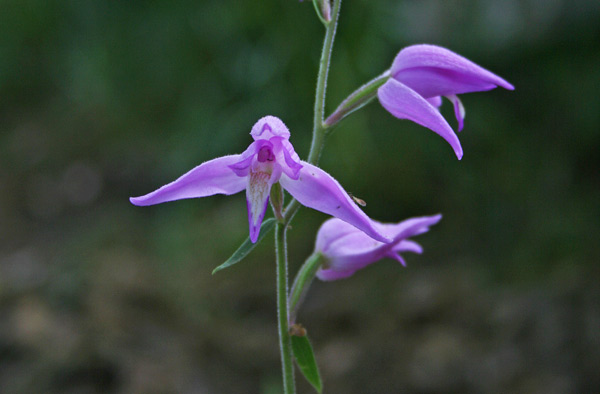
point(102, 100)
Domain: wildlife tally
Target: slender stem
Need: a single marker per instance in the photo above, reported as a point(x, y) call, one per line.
point(302, 283)
point(319, 110)
point(290, 211)
point(319, 128)
point(280, 229)
point(283, 310)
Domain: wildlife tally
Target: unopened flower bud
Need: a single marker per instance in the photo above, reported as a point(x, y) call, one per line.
point(325, 7)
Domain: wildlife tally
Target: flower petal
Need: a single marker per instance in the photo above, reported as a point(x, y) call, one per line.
point(257, 199)
point(353, 244)
point(405, 103)
point(330, 231)
point(412, 227)
point(459, 110)
point(407, 245)
point(269, 126)
point(287, 158)
point(211, 177)
point(242, 166)
point(292, 160)
point(436, 101)
point(348, 250)
point(318, 190)
point(329, 274)
point(435, 71)
point(397, 257)
point(404, 246)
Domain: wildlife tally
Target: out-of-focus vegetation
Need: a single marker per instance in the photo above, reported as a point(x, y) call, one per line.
point(102, 100)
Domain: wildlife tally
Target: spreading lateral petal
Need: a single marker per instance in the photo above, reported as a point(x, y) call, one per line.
point(318, 190)
point(209, 178)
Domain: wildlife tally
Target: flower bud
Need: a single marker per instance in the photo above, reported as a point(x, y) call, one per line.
point(323, 7)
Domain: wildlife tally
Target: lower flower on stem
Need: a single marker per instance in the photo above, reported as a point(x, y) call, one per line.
point(346, 250)
point(341, 250)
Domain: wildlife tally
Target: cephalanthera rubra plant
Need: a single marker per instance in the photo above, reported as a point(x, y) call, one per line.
point(411, 89)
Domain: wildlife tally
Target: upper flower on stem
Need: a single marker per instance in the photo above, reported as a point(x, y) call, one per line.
point(346, 250)
point(421, 74)
point(269, 159)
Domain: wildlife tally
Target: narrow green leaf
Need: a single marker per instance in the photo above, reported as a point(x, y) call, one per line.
point(247, 246)
point(305, 358)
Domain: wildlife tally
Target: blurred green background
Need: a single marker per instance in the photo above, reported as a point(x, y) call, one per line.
point(102, 100)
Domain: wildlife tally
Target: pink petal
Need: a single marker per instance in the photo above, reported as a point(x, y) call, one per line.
point(332, 230)
point(287, 158)
point(459, 110)
point(435, 71)
point(412, 227)
point(269, 126)
point(354, 253)
point(405, 103)
point(318, 190)
point(348, 250)
point(436, 101)
point(291, 160)
point(407, 245)
point(242, 166)
point(353, 244)
point(211, 177)
point(397, 257)
point(329, 275)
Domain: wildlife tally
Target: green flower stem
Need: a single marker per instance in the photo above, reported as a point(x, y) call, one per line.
point(302, 283)
point(358, 99)
point(319, 110)
point(319, 127)
point(316, 146)
point(283, 310)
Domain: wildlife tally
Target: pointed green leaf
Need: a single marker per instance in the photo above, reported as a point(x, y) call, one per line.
point(247, 246)
point(305, 358)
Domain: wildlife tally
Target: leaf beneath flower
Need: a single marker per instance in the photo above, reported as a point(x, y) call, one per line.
point(247, 246)
point(305, 358)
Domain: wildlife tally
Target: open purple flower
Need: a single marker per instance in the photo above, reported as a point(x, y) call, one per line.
point(347, 250)
point(421, 74)
point(269, 159)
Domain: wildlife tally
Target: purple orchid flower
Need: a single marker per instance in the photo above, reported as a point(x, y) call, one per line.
point(421, 74)
point(269, 159)
point(347, 250)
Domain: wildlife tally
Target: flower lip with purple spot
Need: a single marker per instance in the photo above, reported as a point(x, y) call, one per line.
point(265, 154)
